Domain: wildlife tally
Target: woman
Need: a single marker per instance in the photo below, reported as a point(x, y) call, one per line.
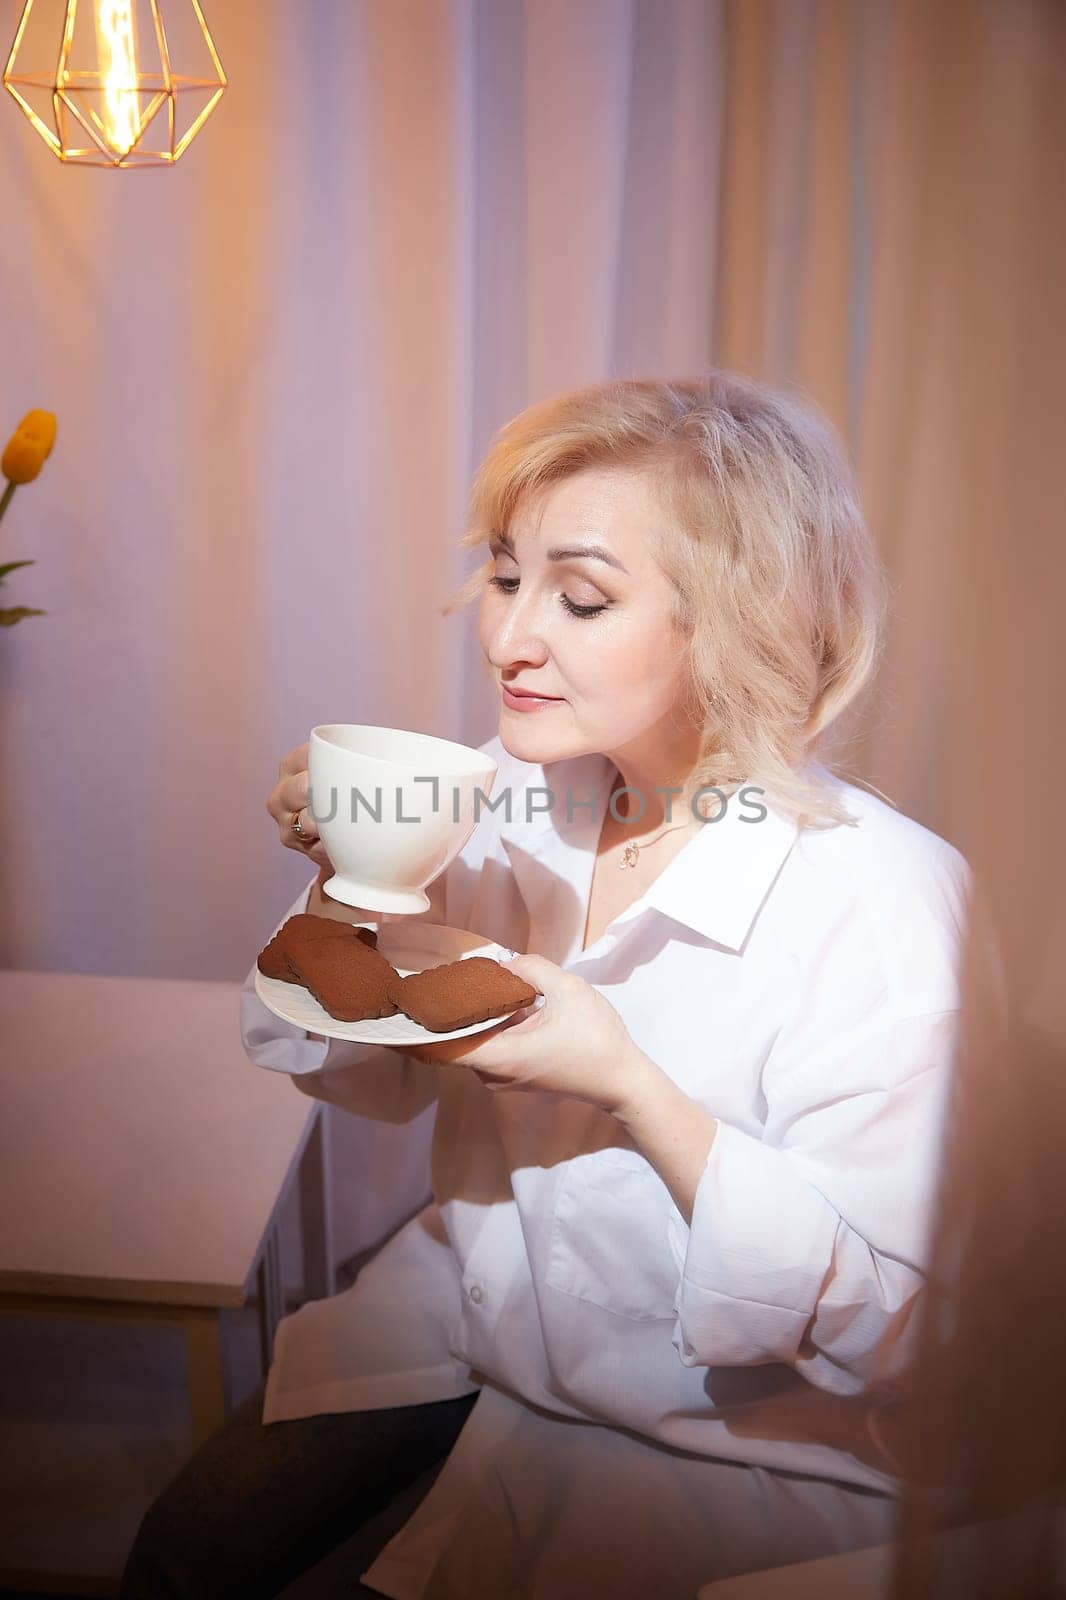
point(676, 1239)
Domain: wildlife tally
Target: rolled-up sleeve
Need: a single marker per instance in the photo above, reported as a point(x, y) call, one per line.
point(807, 1244)
point(366, 1079)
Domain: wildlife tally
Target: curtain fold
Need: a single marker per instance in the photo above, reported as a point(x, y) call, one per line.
point(986, 482)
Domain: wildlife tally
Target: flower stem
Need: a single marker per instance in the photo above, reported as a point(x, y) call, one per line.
point(5, 498)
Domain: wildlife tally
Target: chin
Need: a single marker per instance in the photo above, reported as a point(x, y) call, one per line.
point(522, 739)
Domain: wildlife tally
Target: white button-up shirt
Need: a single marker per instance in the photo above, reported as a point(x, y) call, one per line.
point(802, 987)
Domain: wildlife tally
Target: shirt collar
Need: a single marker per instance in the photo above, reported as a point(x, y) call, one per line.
point(715, 885)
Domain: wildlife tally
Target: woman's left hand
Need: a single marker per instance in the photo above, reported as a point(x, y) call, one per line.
point(575, 1043)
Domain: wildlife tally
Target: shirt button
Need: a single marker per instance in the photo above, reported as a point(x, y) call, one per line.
point(477, 1294)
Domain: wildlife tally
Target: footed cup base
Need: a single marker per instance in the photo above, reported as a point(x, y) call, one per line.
point(373, 897)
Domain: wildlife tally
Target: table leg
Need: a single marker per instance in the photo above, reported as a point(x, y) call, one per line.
point(271, 1297)
point(208, 1378)
point(316, 1230)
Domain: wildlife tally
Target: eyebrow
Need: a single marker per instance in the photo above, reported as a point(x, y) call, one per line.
point(564, 552)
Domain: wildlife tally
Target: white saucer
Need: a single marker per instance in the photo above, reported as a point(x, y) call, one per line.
point(411, 946)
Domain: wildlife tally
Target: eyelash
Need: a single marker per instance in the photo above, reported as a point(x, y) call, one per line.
point(574, 609)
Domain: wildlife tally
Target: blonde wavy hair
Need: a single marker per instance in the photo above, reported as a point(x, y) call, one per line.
point(780, 594)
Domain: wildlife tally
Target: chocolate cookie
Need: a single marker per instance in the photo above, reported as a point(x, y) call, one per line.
point(347, 977)
point(273, 959)
point(304, 925)
point(460, 993)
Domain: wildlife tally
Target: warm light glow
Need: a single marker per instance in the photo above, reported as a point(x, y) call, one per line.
point(117, 45)
point(122, 85)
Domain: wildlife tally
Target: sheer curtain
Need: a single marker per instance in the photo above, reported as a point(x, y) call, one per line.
point(276, 366)
point(274, 369)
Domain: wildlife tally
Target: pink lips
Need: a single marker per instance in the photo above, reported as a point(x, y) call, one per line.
point(524, 700)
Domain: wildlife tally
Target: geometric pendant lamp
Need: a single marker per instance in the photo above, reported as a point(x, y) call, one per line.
point(115, 83)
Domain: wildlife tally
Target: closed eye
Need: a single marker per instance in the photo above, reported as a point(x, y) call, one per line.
point(510, 586)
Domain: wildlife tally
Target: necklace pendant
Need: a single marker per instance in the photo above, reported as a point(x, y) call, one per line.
point(629, 856)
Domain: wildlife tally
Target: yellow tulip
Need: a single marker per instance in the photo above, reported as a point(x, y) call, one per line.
point(29, 447)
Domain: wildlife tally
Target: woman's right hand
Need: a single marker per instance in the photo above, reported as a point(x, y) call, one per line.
point(288, 799)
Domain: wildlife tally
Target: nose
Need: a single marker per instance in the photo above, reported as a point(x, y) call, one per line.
point(517, 639)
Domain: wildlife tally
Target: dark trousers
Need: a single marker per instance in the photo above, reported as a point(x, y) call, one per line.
point(298, 1508)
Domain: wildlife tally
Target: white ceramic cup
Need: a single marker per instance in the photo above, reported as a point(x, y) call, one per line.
point(389, 828)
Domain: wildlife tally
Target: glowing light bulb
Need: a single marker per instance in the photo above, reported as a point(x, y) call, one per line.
point(117, 46)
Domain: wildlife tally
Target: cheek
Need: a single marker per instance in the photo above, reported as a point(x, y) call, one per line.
point(641, 663)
